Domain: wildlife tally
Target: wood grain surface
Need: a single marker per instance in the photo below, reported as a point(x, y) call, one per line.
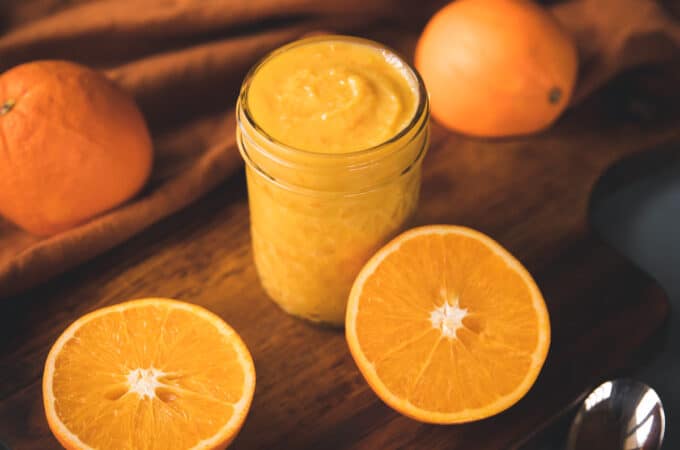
point(531, 194)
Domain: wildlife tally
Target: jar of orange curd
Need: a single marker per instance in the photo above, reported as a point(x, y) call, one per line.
point(333, 130)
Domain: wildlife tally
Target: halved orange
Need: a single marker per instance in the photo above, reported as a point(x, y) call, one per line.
point(447, 326)
point(148, 374)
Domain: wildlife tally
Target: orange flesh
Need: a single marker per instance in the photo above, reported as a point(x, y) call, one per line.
point(149, 377)
point(404, 303)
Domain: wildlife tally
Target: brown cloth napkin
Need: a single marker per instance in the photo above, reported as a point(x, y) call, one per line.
point(184, 61)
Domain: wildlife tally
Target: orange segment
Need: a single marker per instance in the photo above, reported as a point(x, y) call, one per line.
point(447, 326)
point(148, 374)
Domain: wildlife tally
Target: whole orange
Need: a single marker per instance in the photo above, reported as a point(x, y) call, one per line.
point(496, 67)
point(72, 145)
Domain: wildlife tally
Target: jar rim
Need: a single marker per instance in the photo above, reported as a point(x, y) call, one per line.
point(299, 189)
point(421, 108)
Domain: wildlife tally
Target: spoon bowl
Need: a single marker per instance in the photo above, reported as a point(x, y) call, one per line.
point(619, 415)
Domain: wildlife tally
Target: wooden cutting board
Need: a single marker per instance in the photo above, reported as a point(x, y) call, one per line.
point(531, 194)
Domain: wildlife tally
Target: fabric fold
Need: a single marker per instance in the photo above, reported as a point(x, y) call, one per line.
point(184, 61)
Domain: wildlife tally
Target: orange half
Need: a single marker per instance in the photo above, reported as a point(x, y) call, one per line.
point(447, 326)
point(148, 374)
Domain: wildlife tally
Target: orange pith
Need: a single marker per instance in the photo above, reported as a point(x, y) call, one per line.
point(148, 374)
point(447, 326)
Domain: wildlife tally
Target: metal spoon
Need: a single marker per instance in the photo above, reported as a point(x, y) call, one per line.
point(619, 415)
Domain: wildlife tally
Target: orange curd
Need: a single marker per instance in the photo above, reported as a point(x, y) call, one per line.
point(333, 130)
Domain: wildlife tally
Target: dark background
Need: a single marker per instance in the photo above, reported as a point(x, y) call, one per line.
point(635, 207)
point(639, 214)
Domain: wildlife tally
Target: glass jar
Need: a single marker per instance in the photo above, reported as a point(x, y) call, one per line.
point(316, 217)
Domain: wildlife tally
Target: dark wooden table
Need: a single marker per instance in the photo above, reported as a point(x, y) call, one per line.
point(529, 193)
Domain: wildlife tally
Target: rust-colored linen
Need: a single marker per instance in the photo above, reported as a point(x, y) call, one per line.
point(184, 61)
